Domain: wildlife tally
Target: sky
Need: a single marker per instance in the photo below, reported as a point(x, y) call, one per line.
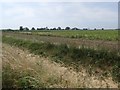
point(58, 14)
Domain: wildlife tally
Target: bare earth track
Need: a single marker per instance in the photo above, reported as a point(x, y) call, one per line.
point(49, 72)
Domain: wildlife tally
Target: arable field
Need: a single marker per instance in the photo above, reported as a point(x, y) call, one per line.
point(64, 59)
point(64, 37)
point(111, 35)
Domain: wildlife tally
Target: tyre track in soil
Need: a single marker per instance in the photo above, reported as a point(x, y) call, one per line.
point(22, 60)
point(111, 45)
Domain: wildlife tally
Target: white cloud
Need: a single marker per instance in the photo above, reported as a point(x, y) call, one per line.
point(19, 11)
point(97, 14)
point(58, 14)
point(59, 1)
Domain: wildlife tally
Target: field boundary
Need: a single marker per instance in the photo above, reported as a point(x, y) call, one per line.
point(92, 59)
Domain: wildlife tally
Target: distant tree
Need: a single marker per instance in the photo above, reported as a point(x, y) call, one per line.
point(26, 28)
point(9, 29)
point(50, 29)
point(85, 29)
point(54, 29)
point(67, 28)
point(46, 28)
point(102, 28)
point(95, 29)
point(75, 28)
point(33, 28)
point(38, 28)
point(59, 28)
point(41, 28)
point(21, 28)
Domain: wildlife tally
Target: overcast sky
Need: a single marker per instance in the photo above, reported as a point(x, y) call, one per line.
point(55, 14)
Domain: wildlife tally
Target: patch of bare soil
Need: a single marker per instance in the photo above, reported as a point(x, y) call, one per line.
point(49, 72)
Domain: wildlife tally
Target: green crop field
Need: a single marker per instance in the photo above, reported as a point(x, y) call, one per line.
point(111, 35)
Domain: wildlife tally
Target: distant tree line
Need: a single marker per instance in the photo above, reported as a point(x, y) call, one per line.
point(58, 28)
point(21, 28)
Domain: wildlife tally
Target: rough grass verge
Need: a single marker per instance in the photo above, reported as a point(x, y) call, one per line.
point(101, 59)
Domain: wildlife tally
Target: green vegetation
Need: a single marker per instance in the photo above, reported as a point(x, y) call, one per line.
point(24, 79)
point(111, 35)
point(107, 61)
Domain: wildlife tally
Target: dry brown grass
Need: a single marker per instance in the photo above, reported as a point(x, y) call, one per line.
point(50, 73)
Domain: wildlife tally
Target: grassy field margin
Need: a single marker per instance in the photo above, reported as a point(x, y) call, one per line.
point(91, 59)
